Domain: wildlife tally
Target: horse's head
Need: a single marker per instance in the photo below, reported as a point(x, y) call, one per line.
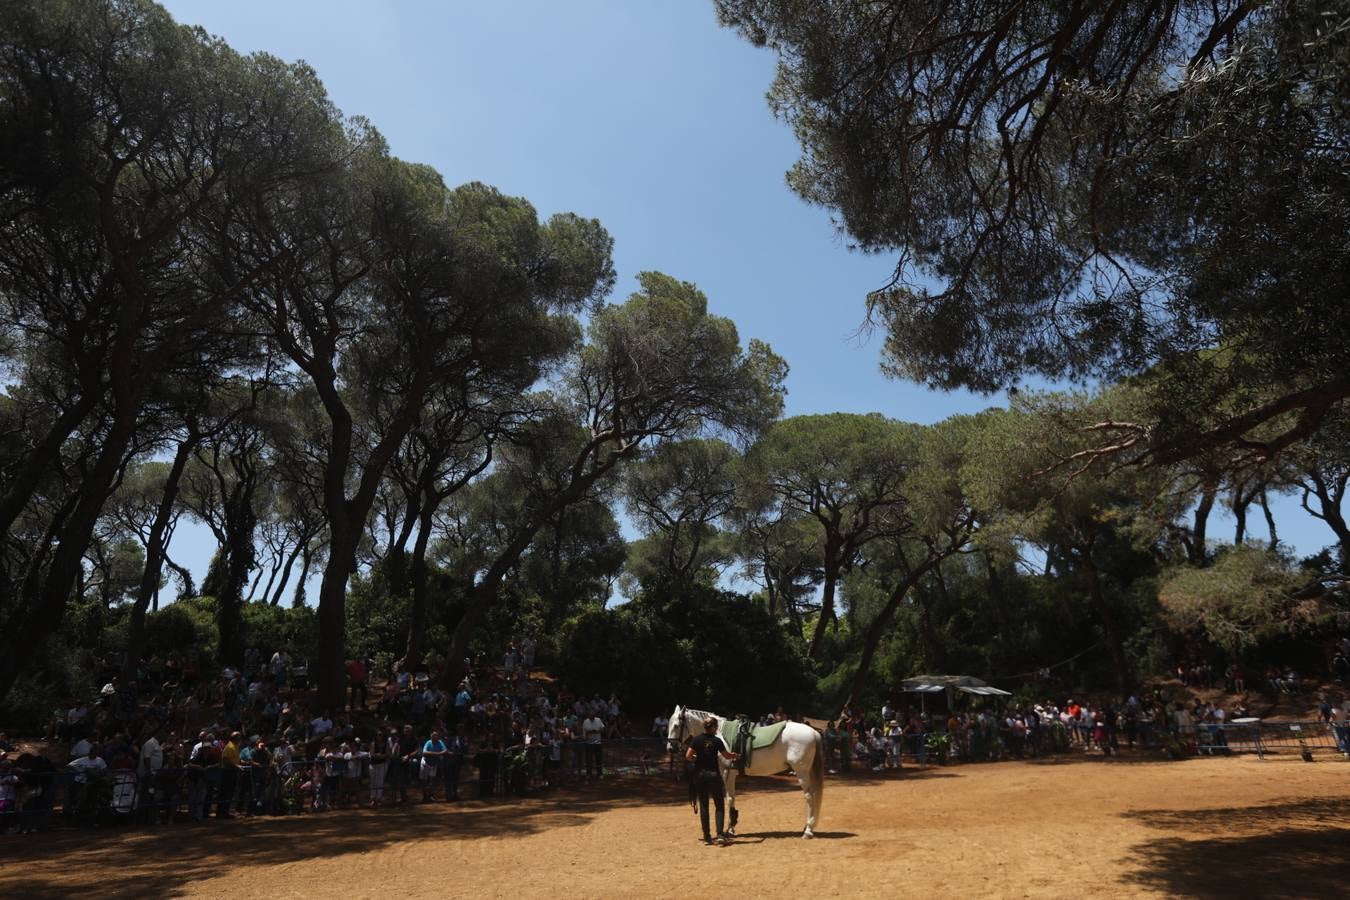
point(676, 730)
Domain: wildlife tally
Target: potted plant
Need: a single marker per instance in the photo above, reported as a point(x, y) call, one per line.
point(939, 745)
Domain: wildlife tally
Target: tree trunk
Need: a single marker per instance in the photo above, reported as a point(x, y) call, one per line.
point(877, 629)
point(1113, 639)
point(154, 555)
point(421, 584)
point(329, 672)
point(257, 580)
point(286, 571)
point(826, 604)
point(1270, 519)
point(298, 599)
point(43, 596)
point(1200, 523)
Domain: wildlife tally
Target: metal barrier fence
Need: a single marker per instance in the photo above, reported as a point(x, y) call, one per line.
point(65, 796)
point(1268, 737)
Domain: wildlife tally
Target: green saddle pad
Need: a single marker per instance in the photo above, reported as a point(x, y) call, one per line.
point(761, 737)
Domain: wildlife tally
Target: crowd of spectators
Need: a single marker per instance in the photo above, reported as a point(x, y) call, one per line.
point(880, 742)
point(245, 741)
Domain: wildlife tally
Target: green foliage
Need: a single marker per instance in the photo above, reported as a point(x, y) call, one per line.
point(377, 622)
point(187, 626)
point(685, 643)
point(1247, 596)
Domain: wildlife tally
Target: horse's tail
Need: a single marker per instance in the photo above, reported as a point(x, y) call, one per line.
point(817, 779)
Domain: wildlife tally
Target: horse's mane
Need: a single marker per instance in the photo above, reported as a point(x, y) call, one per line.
point(700, 713)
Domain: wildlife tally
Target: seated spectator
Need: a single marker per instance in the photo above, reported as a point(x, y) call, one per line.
point(321, 725)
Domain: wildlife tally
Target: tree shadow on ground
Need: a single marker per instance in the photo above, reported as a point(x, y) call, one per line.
point(163, 861)
point(1291, 848)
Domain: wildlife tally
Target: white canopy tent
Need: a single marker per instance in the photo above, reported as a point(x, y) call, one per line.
point(951, 685)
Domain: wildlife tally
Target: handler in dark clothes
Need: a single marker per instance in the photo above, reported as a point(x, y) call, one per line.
point(703, 752)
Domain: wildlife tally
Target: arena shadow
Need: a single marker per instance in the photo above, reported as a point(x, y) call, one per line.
point(908, 773)
point(164, 861)
point(1125, 758)
point(759, 837)
point(1292, 848)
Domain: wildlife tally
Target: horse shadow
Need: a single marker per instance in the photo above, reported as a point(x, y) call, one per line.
point(759, 837)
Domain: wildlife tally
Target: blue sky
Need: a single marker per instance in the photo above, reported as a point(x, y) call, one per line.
point(645, 115)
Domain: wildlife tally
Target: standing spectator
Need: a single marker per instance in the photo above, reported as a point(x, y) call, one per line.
point(204, 755)
point(487, 761)
point(280, 665)
point(463, 700)
point(456, 747)
point(388, 704)
point(356, 679)
point(332, 765)
point(379, 765)
point(260, 777)
point(356, 758)
point(895, 734)
point(593, 729)
point(432, 752)
point(527, 651)
point(9, 793)
point(91, 765)
point(229, 775)
point(661, 726)
point(148, 764)
point(510, 659)
point(1340, 725)
point(399, 748)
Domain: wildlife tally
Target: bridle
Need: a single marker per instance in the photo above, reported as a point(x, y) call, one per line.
point(684, 725)
point(683, 715)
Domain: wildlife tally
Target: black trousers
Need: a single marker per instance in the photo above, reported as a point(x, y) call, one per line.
point(709, 785)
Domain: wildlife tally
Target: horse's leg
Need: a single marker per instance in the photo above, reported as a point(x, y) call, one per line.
point(732, 816)
point(799, 758)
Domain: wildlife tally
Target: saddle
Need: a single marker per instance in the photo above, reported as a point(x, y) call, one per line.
point(743, 737)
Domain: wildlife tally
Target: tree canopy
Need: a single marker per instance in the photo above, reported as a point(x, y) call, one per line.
point(1090, 190)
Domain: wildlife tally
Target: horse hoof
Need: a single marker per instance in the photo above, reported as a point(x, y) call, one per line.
point(806, 835)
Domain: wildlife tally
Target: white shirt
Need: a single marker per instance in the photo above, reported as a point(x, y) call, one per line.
point(81, 748)
point(593, 728)
point(660, 726)
point(84, 764)
point(152, 757)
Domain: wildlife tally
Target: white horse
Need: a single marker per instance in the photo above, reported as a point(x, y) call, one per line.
point(798, 747)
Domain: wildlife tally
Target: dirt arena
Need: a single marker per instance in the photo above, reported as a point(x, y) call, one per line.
point(1203, 827)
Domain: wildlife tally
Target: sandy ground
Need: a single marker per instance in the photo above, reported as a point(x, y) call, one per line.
point(1235, 827)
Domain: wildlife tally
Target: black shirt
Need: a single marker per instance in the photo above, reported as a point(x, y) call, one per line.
point(706, 748)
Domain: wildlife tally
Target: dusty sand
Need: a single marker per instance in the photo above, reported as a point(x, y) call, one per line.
point(1234, 827)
